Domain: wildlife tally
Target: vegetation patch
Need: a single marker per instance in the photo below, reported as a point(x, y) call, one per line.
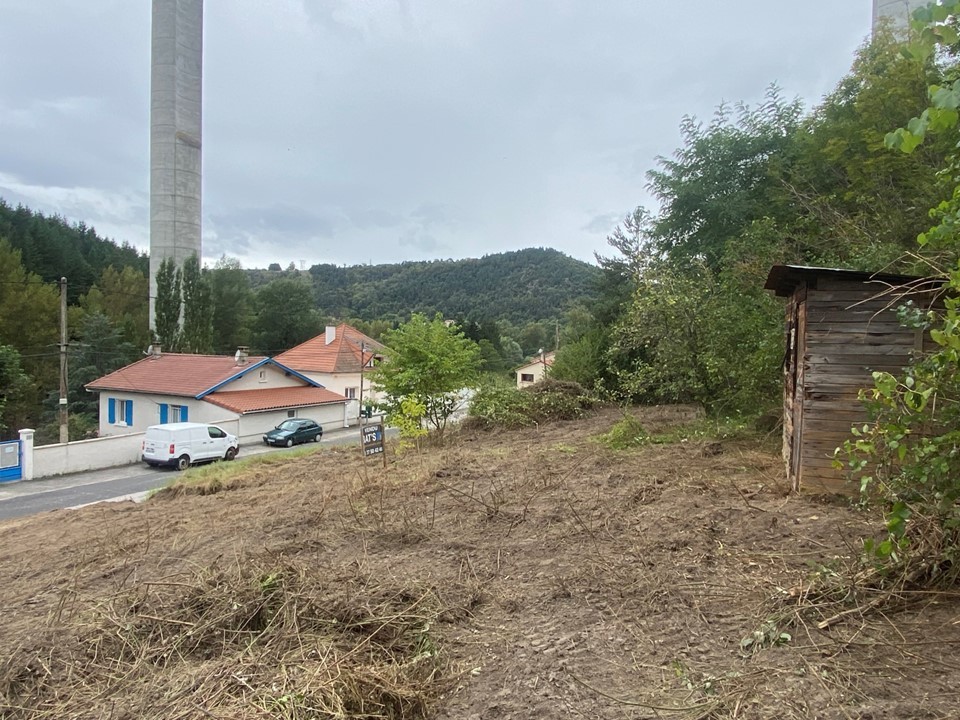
point(264, 638)
point(549, 400)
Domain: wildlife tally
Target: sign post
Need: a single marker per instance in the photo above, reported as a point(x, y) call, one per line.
point(372, 440)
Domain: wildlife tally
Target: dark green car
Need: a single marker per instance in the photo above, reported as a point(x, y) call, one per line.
point(293, 431)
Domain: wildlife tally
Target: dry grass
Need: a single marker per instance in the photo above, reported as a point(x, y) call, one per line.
point(264, 639)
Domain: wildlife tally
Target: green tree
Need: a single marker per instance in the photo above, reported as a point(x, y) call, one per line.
point(723, 178)
point(197, 333)
point(285, 315)
point(232, 305)
point(29, 323)
point(14, 391)
point(122, 295)
point(908, 456)
point(167, 305)
point(99, 349)
point(429, 362)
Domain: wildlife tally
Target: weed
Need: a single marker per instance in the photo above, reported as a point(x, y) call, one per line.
point(768, 635)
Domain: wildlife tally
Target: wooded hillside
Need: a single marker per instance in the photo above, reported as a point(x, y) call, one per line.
point(520, 287)
point(52, 248)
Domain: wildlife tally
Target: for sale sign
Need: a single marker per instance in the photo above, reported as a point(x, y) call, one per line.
point(372, 438)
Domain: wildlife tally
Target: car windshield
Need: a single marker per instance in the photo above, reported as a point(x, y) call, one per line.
point(288, 425)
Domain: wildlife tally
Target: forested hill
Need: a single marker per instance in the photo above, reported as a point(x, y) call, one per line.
point(522, 286)
point(52, 248)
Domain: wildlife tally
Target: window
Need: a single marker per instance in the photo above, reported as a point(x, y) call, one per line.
point(120, 412)
point(351, 393)
point(216, 432)
point(263, 376)
point(291, 413)
point(526, 377)
point(173, 413)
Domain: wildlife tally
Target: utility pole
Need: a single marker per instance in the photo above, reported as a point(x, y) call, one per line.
point(362, 363)
point(64, 428)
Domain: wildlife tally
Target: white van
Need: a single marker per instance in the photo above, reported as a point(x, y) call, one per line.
point(184, 443)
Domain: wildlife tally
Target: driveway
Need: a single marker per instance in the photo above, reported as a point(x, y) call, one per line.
point(129, 482)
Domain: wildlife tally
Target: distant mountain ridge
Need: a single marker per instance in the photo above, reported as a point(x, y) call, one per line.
point(520, 286)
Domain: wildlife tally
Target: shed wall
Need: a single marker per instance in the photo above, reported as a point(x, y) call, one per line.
point(850, 333)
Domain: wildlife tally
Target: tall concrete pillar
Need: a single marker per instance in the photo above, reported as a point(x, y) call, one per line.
point(898, 11)
point(176, 83)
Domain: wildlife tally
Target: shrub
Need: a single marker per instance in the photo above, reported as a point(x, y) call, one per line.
point(501, 406)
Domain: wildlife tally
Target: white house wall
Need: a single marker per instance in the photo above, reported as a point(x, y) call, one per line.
point(146, 411)
point(274, 377)
point(340, 382)
point(330, 417)
point(538, 370)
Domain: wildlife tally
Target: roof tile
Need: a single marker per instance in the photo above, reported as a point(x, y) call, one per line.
point(245, 401)
point(173, 374)
point(340, 356)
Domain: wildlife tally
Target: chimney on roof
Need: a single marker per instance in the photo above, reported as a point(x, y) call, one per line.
point(241, 356)
point(331, 333)
point(154, 350)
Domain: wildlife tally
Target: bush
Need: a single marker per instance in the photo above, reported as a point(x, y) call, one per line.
point(626, 433)
point(501, 406)
point(559, 400)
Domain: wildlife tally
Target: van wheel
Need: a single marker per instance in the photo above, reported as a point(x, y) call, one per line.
point(231, 454)
point(290, 442)
point(317, 438)
point(183, 462)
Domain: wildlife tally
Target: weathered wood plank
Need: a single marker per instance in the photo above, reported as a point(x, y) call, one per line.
point(858, 328)
point(866, 316)
point(830, 391)
point(847, 360)
point(854, 341)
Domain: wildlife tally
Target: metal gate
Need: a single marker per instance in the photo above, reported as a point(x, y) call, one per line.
point(11, 461)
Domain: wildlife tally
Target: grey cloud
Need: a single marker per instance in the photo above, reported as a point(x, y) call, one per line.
point(420, 240)
point(603, 223)
point(374, 218)
point(331, 129)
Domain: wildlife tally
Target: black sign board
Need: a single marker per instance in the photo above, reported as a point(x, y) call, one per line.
point(371, 436)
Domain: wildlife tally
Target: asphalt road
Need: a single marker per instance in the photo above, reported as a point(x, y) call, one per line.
point(29, 497)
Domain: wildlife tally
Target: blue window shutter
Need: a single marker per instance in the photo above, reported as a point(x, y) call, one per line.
point(111, 410)
point(183, 413)
point(163, 412)
point(128, 416)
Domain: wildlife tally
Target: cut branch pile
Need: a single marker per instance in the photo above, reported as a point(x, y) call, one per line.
point(255, 640)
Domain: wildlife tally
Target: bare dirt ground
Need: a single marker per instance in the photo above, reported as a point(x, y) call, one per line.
point(526, 574)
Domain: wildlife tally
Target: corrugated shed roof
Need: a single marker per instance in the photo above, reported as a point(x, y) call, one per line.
point(340, 356)
point(259, 400)
point(175, 374)
point(783, 279)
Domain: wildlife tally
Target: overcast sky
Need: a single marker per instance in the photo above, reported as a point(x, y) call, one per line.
point(358, 131)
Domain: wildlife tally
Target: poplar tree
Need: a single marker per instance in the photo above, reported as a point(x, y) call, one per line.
point(167, 305)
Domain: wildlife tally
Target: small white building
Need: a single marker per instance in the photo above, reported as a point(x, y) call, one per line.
point(535, 369)
point(249, 394)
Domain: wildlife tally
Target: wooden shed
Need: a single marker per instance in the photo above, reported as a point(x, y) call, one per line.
point(841, 326)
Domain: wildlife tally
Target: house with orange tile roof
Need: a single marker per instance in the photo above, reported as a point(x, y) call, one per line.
point(534, 370)
point(247, 395)
point(338, 359)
